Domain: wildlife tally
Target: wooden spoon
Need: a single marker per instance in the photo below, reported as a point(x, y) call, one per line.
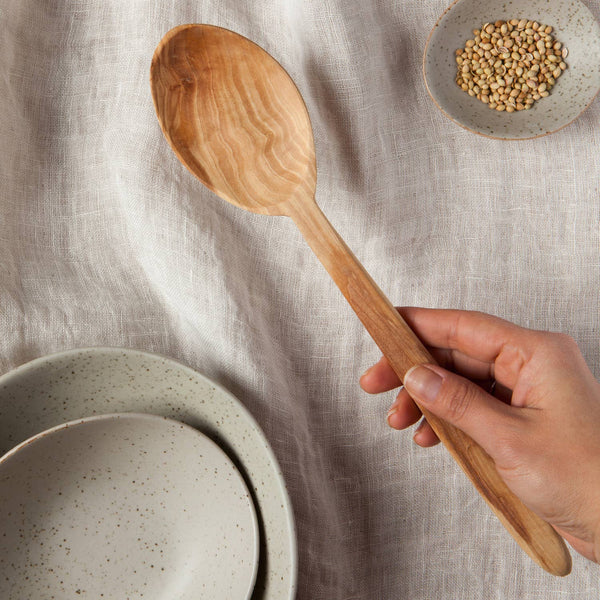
point(236, 120)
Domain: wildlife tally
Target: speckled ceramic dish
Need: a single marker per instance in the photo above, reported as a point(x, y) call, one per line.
point(124, 506)
point(574, 26)
point(81, 383)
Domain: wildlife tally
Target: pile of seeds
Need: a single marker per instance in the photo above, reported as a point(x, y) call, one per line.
point(508, 65)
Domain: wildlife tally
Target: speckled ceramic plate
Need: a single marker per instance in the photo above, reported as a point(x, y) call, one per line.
point(574, 26)
point(82, 383)
point(125, 506)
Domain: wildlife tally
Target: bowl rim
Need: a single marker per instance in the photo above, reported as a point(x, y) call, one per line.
point(487, 135)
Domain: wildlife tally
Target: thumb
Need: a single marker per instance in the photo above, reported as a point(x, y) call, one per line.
point(459, 402)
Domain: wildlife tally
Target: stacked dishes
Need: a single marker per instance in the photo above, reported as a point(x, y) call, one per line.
point(192, 505)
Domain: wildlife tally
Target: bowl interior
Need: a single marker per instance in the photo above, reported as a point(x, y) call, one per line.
point(125, 505)
point(574, 26)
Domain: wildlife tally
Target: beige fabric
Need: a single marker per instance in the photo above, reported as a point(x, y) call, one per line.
point(106, 239)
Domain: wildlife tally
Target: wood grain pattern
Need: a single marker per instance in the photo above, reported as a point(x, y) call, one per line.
point(252, 146)
point(236, 120)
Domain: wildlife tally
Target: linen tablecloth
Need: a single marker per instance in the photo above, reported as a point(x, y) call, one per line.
point(105, 239)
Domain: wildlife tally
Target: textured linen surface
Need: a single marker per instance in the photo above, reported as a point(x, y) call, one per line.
point(105, 239)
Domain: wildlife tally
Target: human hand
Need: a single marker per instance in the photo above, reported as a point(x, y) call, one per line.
point(541, 426)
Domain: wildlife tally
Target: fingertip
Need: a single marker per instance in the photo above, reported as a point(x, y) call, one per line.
point(424, 436)
point(379, 378)
point(395, 420)
point(404, 412)
point(365, 380)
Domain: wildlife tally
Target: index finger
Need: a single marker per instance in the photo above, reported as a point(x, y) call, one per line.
point(486, 338)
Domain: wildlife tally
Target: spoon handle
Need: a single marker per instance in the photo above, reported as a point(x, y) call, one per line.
point(404, 350)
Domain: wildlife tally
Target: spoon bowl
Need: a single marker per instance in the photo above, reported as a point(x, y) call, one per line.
point(234, 117)
point(236, 120)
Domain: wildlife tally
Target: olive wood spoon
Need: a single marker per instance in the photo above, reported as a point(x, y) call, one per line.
point(236, 120)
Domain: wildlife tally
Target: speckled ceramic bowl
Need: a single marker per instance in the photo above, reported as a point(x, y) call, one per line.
point(78, 383)
point(574, 26)
point(124, 506)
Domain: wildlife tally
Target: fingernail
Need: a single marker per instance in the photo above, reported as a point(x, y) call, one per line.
point(418, 430)
point(390, 416)
point(395, 405)
point(422, 383)
point(366, 372)
point(393, 410)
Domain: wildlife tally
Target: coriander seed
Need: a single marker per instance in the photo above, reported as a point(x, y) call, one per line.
point(509, 65)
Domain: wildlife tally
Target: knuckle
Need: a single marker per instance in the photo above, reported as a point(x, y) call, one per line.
point(564, 341)
point(459, 399)
point(510, 447)
point(558, 346)
point(517, 449)
point(557, 340)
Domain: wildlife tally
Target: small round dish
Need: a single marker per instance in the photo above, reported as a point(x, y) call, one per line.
point(121, 506)
point(573, 25)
